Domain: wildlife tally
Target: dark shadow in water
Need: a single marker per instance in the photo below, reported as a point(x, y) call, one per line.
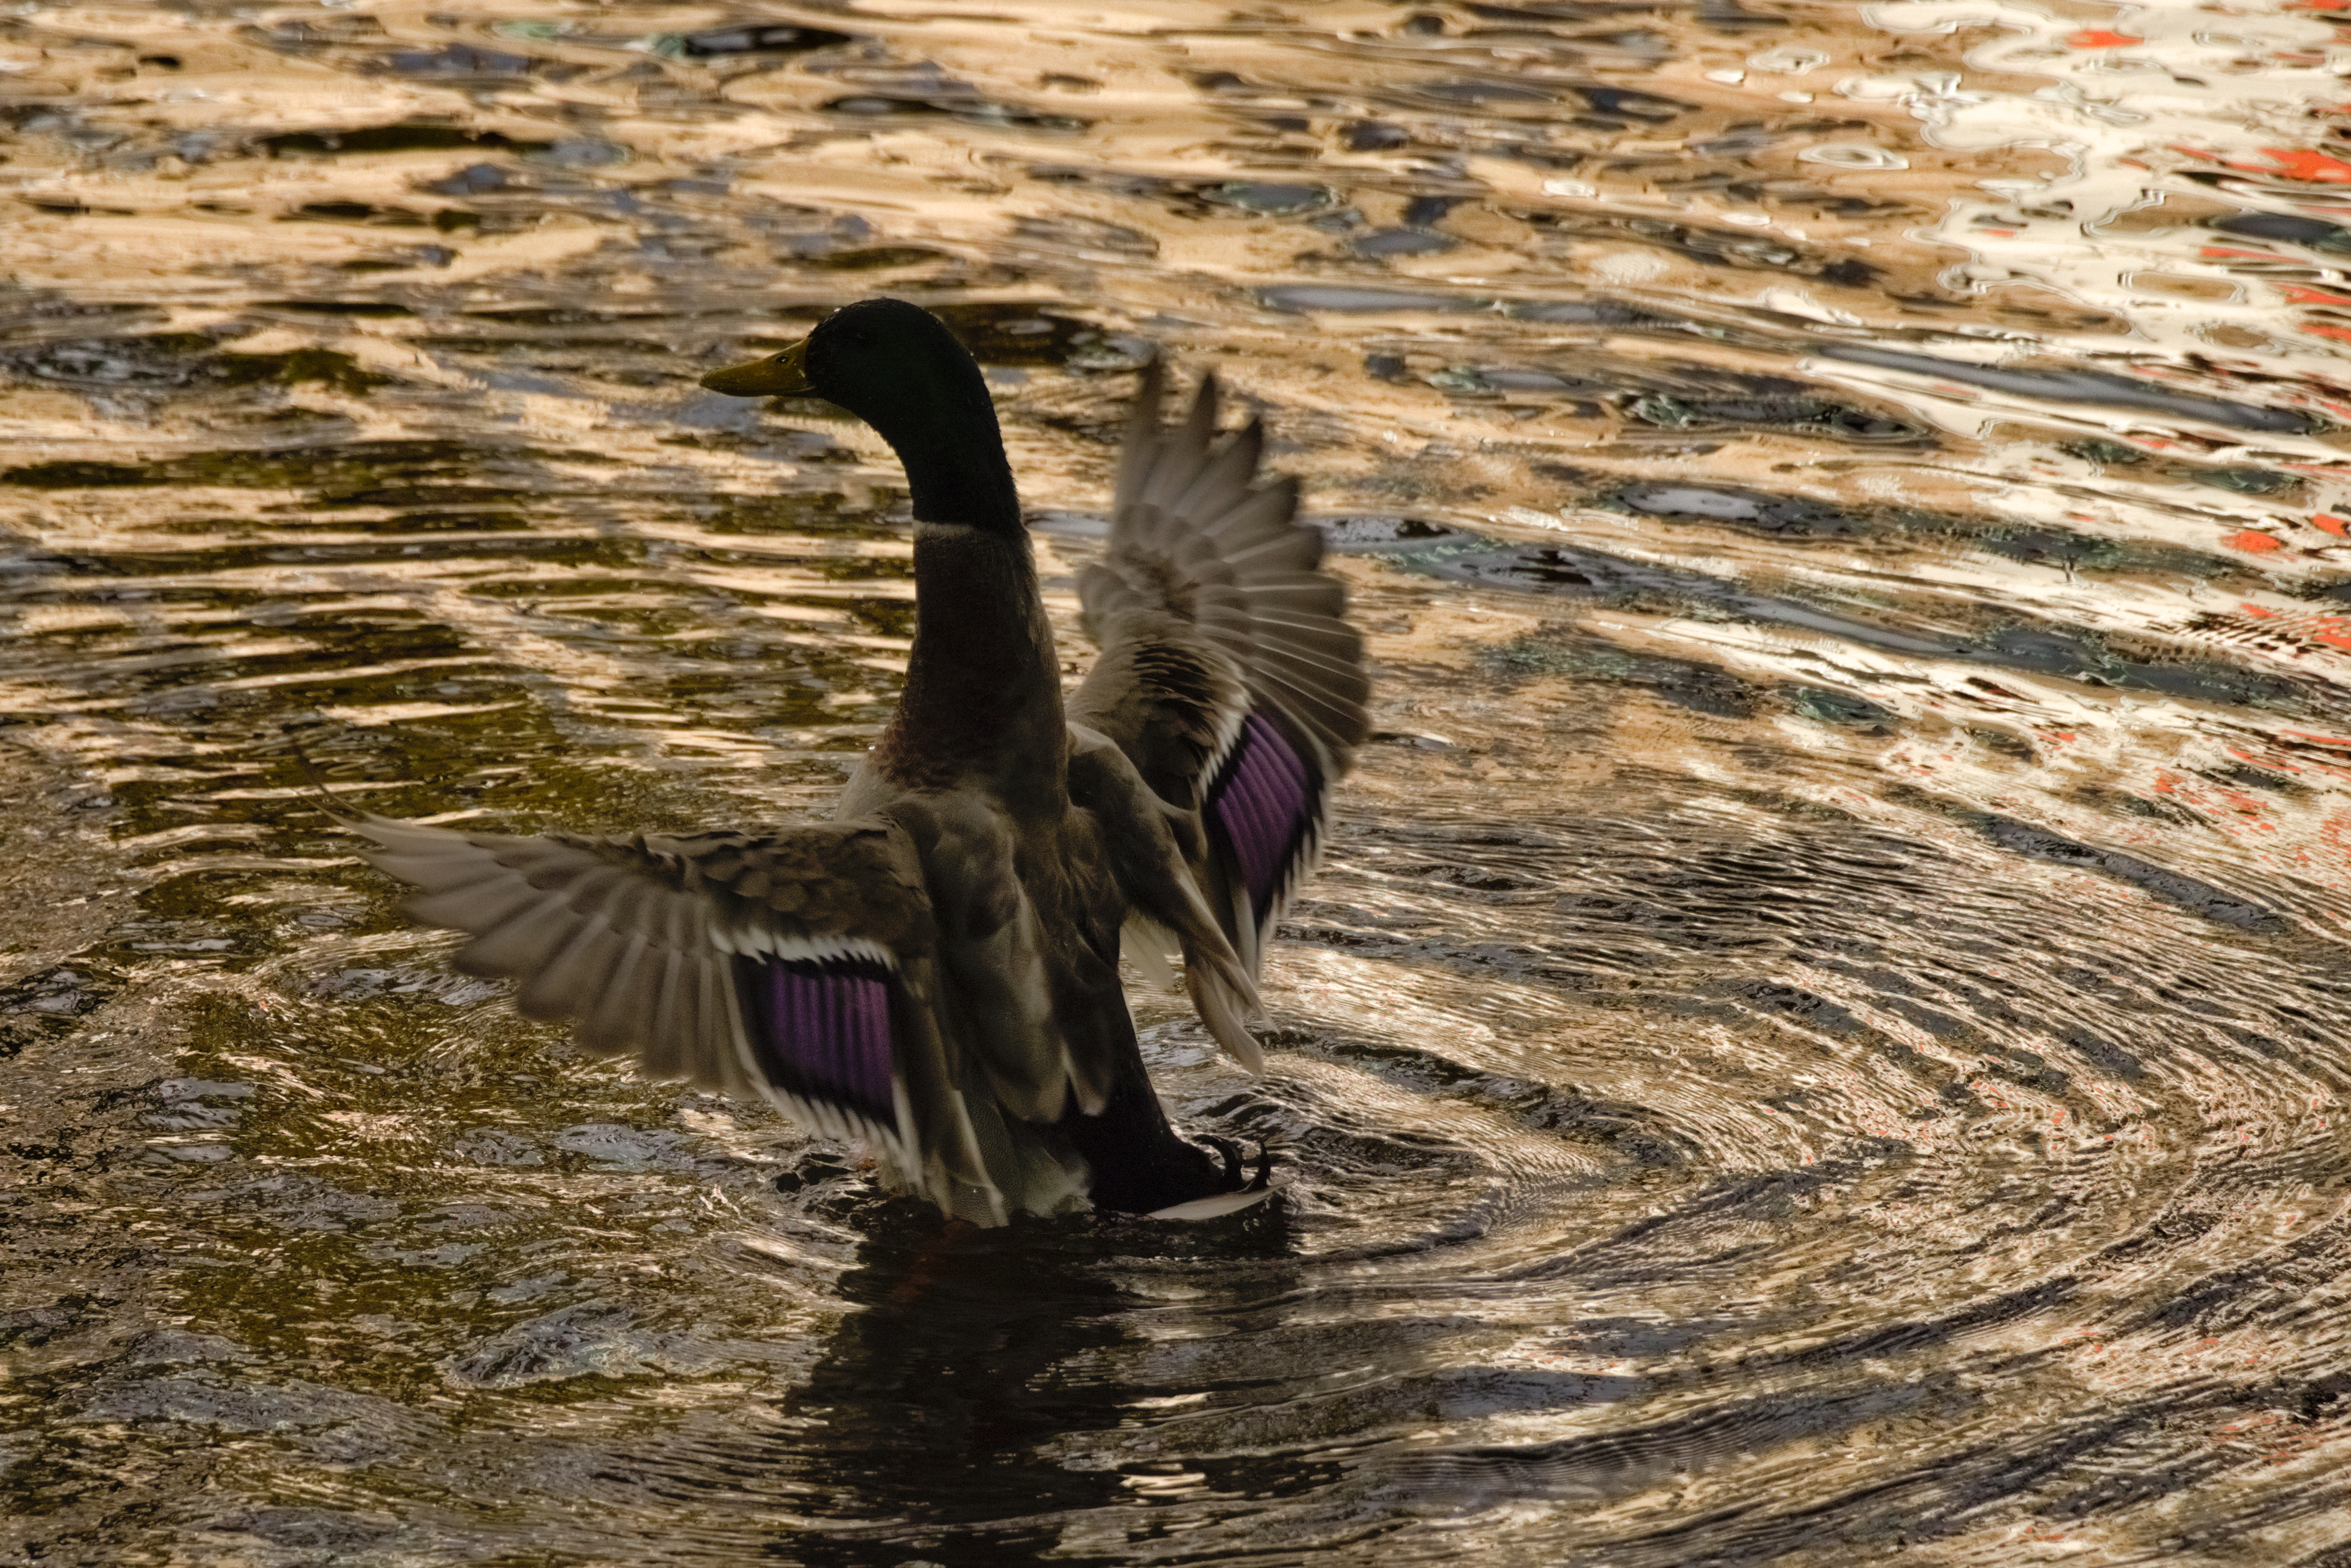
point(972, 1349)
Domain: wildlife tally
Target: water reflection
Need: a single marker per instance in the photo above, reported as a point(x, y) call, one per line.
point(1820, 1033)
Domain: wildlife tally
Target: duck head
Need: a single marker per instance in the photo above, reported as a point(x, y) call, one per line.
point(896, 367)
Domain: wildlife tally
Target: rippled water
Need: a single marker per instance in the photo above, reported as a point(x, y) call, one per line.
point(1822, 1035)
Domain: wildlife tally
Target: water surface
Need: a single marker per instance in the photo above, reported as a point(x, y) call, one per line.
point(1822, 1033)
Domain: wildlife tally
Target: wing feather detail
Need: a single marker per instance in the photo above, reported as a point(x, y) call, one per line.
point(1229, 674)
point(795, 966)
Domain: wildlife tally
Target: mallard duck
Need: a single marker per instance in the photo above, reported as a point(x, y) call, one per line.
point(934, 971)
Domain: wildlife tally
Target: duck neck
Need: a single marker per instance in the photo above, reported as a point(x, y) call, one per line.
point(983, 694)
point(937, 416)
point(957, 473)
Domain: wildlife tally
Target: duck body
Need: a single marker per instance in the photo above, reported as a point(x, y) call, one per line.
point(935, 970)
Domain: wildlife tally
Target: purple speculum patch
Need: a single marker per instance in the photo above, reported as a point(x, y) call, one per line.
point(1264, 802)
point(820, 1030)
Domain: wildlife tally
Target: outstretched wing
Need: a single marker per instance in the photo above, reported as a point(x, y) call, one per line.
point(1229, 674)
point(797, 965)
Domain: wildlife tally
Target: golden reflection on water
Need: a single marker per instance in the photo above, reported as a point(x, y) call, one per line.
point(1820, 1035)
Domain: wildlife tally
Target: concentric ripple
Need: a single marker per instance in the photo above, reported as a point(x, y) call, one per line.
point(1820, 1034)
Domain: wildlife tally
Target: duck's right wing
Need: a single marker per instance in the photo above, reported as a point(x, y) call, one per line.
point(1229, 674)
point(797, 965)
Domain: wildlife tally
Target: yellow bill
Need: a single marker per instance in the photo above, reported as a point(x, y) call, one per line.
point(778, 375)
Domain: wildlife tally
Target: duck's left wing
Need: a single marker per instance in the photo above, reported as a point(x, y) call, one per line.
point(797, 965)
point(1229, 674)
